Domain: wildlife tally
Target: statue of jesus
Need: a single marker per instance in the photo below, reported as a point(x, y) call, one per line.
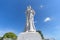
point(30, 27)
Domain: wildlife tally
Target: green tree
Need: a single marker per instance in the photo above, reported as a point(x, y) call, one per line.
point(0, 38)
point(10, 35)
point(40, 34)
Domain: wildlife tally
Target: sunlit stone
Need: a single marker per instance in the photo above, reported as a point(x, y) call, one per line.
point(30, 30)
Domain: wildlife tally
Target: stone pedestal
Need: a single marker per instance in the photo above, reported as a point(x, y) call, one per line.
point(29, 36)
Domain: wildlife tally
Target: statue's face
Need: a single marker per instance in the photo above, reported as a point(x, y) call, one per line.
point(30, 11)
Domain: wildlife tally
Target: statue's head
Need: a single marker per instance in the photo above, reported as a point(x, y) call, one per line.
point(30, 10)
point(29, 7)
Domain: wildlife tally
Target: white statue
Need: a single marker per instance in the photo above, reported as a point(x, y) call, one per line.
point(30, 27)
point(30, 31)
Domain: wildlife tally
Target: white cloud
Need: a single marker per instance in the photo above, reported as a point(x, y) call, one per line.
point(41, 6)
point(47, 19)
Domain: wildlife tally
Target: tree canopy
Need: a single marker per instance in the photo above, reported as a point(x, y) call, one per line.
point(40, 34)
point(10, 35)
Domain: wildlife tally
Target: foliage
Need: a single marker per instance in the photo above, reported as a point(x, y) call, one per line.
point(1, 38)
point(41, 34)
point(10, 35)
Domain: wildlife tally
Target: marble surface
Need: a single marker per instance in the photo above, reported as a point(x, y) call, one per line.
point(29, 36)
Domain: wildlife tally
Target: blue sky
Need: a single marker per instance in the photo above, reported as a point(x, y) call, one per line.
point(47, 16)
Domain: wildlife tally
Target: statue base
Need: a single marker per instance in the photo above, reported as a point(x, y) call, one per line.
point(29, 36)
